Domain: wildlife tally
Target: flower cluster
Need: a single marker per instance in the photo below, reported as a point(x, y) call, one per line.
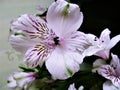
point(54, 50)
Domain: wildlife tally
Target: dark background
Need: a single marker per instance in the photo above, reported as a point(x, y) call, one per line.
point(100, 14)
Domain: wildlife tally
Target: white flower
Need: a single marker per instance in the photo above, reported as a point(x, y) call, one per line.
point(101, 46)
point(55, 41)
point(72, 87)
point(21, 80)
point(112, 71)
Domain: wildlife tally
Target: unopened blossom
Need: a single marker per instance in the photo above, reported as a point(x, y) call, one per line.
point(112, 71)
point(72, 87)
point(21, 80)
point(97, 64)
point(101, 46)
point(54, 41)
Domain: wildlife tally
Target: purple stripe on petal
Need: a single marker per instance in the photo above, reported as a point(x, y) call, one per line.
point(35, 55)
point(24, 24)
point(30, 32)
point(107, 71)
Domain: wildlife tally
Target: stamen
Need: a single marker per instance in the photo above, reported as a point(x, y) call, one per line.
point(95, 39)
point(41, 31)
point(56, 40)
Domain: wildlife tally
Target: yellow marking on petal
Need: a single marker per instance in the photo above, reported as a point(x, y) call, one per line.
point(20, 78)
point(42, 31)
point(40, 47)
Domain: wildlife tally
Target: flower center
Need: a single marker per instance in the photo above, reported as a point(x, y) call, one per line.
point(56, 41)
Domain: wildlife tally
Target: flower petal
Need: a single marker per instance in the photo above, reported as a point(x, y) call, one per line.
point(115, 60)
point(81, 88)
point(63, 65)
point(64, 17)
point(25, 83)
point(97, 64)
point(24, 79)
point(26, 31)
point(109, 86)
point(103, 54)
point(110, 73)
point(21, 43)
point(105, 36)
point(107, 71)
point(92, 40)
point(113, 41)
point(75, 41)
point(11, 82)
point(56, 66)
point(116, 81)
point(115, 63)
point(72, 87)
point(31, 26)
point(91, 50)
point(36, 55)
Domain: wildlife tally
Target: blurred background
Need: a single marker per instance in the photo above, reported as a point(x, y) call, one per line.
point(9, 10)
point(98, 15)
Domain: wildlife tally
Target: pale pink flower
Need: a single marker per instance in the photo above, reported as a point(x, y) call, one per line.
point(54, 41)
point(21, 80)
point(109, 86)
point(112, 71)
point(101, 46)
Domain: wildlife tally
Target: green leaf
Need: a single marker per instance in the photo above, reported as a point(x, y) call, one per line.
point(89, 80)
point(26, 69)
point(85, 67)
